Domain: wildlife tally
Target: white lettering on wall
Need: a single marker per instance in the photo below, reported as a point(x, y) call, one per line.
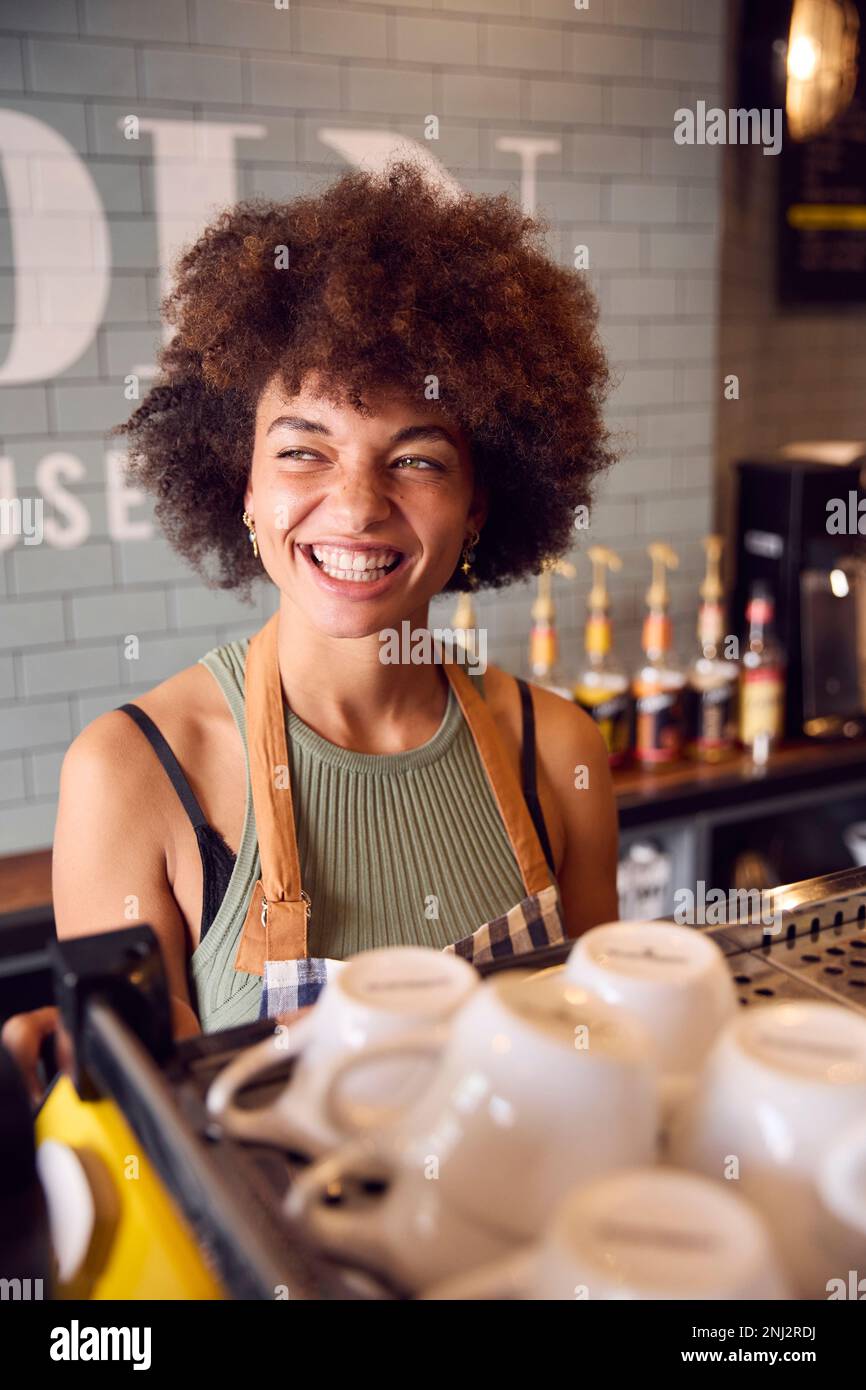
point(121, 499)
point(373, 150)
point(52, 471)
point(529, 149)
point(194, 177)
point(60, 249)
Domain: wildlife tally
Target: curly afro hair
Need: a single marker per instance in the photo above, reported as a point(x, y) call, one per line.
point(378, 280)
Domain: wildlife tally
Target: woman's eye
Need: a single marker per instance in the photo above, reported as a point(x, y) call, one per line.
point(297, 453)
point(414, 461)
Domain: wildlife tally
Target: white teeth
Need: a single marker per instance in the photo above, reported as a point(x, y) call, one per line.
point(353, 576)
point(348, 564)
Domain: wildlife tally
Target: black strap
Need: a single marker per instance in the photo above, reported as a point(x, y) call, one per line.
point(528, 773)
point(169, 762)
point(217, 858)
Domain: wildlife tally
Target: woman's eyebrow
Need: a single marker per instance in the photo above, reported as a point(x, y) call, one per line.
point(296, 422)
point(412, 433)
point(409, 433)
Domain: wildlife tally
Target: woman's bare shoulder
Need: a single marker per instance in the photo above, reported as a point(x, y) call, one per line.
point(179, 706)
point(559, 723)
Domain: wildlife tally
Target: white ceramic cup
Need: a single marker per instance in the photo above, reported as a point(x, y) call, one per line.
point(842, 1190)
point(673, 978)
point(641, 1233)
point(540, 1085)
point(780, 1084)
point(855, 841)
point(378, 995)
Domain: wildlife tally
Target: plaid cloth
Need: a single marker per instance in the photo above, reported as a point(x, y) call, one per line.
point(293, 984)
point(534, 922)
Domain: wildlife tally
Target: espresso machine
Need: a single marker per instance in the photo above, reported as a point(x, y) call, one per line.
point(801, 529)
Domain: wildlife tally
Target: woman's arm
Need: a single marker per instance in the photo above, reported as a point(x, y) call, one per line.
point(574, 759)
point(111, 843)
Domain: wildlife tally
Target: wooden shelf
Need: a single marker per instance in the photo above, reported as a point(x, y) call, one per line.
point(647, 795)
point(25, 880)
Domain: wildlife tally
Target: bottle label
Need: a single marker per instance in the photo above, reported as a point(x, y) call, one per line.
point(762, 704)
point(712, 716)
point(543, 649)
point(760, 610)
point(597, 636)
point(657, 632)
point(612, 714)
point(711, 629)
point(659, 724)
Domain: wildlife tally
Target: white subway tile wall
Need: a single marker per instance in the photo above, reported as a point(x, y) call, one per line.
point(601, 82)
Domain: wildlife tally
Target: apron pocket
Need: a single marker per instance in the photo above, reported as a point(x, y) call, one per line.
point(534, 922)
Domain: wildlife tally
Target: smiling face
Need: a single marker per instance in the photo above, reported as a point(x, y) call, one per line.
point(359, 520)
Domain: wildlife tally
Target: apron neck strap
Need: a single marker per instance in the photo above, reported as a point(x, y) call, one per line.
point(506, 788)
point(275, 927)
point(276, 923)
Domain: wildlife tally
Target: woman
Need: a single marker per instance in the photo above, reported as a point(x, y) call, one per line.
point(373, 396)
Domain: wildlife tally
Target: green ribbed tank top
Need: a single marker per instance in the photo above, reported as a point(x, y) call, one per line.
point(395, 849)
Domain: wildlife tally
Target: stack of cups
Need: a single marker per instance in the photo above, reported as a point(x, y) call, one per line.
point(376, 997)
point(498, 1138)
point(650, 1233)
point(778, 1092)
point(674, 979)
point(540, 1086)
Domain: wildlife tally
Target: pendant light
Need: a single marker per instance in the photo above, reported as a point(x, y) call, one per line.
point(821, 64)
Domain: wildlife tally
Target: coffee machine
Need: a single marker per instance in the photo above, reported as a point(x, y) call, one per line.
point(801, 529)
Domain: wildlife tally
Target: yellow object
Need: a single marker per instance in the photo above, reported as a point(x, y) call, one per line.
point(543, 640)
point(601, 687)
point(597, 638)
point(658, 685)
point(142, 1248)
point(597, 634)
point(762, 705)
point(824, 217)
point(543, 650)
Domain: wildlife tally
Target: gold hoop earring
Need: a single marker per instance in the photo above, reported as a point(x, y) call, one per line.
point(469, 555)
point(250, 525)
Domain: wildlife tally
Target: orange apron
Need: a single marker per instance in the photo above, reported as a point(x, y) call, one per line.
point(274, 940)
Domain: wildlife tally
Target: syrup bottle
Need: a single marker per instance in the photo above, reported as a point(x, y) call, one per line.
point(762, 680)
point(464, 625)
point(658, 685)
point(713, 678)
point(543, 638)
point(602, 686)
